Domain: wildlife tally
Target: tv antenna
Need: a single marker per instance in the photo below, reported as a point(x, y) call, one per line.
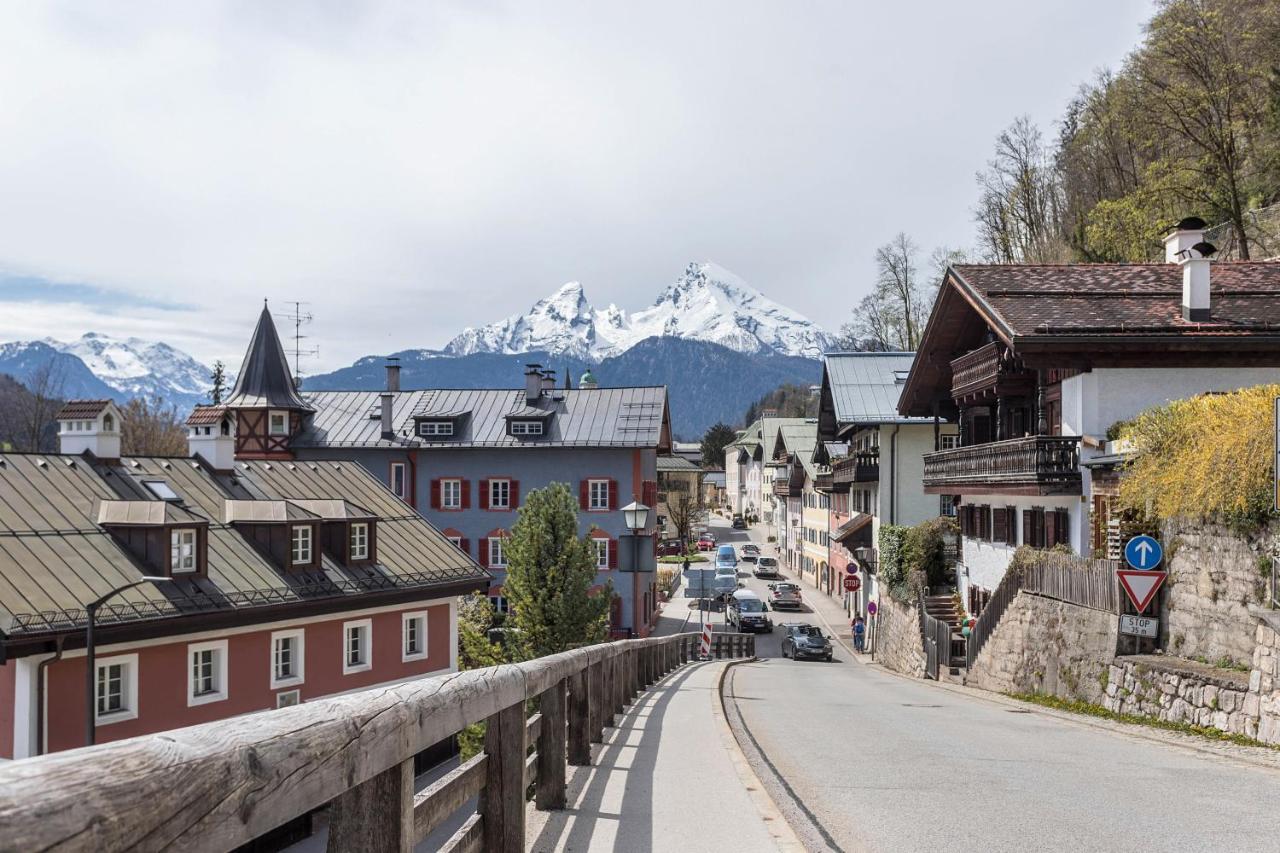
point(300, 317)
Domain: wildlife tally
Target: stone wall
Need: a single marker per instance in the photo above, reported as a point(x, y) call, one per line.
point(1264, 678)
point(1182, 691)
point(1047, 646)
point(1214, 577)
point(898, 644)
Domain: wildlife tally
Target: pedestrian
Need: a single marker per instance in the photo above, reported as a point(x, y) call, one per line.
point(859, 633)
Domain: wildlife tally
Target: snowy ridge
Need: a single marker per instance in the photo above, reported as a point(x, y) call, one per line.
point(707, 303)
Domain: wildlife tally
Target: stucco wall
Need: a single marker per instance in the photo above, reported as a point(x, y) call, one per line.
point(1047, 646)
point(984, 563)
point(898, 644)
point(908, 504)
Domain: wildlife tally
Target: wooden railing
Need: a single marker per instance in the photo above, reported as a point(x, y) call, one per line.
point(860, 467)
point(221, 785)
point(985, 625)
point(936, 636)
point(1037, 459)
point(975, 370)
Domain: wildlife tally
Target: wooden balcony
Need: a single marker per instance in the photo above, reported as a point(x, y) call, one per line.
point(987, 372)
point(788, 481)
point(823, 481)
point(1035, 465)
point(860, 467)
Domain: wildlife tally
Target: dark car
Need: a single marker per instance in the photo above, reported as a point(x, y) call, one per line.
point(746, 612)
point(805, 641)
point(739, 523)
point(671, 548)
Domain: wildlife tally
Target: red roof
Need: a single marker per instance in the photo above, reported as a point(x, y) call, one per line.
point(80, 409)
point(204, 415)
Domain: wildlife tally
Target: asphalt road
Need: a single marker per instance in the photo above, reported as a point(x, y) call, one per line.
point(860, 759)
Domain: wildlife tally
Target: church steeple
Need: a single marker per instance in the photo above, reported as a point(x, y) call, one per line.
point(264, 381)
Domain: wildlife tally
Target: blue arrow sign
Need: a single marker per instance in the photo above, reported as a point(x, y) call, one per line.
point(1143, 552)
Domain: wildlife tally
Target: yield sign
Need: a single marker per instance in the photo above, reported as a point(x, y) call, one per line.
point(1140, 586)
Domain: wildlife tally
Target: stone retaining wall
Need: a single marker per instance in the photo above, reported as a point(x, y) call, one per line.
point(897, 641)
point(1182, 691)
point(1264, 678)
point(1047, 646)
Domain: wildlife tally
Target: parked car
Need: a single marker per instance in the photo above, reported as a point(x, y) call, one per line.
point(746, 612)
point(671, 548)
point(785, 595)
point(766, 567)
point(706, 542)
point(739, 523)
point(805, 641)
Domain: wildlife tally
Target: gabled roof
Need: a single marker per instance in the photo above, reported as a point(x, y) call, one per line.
point(81, 409)
point(603, 417)
point(265, 381)
point(861, 389)
point(769, 433)
point(799, 440)
point(205, 415)
point(676, 463)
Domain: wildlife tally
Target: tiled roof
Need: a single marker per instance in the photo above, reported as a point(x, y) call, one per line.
point(604, 417)
point(1124, 299)
point(79, 409)
point(205, 415)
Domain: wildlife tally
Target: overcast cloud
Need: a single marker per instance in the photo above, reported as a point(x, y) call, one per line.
point(413, 168)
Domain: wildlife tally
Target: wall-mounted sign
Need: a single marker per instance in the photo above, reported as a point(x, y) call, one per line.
point(1139, 626)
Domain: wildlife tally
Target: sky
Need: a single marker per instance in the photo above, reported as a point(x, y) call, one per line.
point(412, 168)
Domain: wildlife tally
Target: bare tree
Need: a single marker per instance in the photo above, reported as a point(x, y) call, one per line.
point(686, 510)
point(152, 428)
point(1019, 212)
point(45, 385)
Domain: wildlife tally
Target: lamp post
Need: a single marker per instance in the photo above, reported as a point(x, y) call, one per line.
point(636, 516)
point(90, 676)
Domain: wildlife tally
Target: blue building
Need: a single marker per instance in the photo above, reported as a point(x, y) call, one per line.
point(463, 458)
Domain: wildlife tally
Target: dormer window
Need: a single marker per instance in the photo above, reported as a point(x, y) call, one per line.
point(525, 428)
point(161, 490)
point(182, 550)
point(278, 423)
point(435, 429)
point(300, 545)
point(360, 540)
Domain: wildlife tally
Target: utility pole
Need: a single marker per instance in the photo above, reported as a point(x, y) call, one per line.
point(300, 318)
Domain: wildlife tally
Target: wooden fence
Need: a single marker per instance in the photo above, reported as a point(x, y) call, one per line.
point(220, 785)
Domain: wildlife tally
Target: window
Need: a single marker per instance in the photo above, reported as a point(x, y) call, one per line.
point(288, 698)
point(357, 639)
point(500, 494)
point(182, 550)
point(207, 672)
point(602, 553)
point(161, 489)
point(287, 658)
point(598, 494)
point(435, 428)
point(108, 423)
point(414, 627)
point(499, 603)
point(947, 506)
point(278, 423)
point(117, 690)
point(300, 551)
point(456, 540)
point(451, 494)
point(526, 427)
point(497, 556)
point(948, 442)
point(360, 540)
point(399, 482)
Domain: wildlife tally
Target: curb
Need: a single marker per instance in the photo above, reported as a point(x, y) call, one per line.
point(784, 837)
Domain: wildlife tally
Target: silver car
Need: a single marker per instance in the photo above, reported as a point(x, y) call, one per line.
point(784, 595)
point(766, 567)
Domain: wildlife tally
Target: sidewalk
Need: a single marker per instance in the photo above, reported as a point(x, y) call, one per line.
point(665, 778)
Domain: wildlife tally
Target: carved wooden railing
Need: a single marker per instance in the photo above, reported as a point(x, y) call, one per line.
point(862, 466)
point(1036, 459)
point(975, 370)
point(217, 786)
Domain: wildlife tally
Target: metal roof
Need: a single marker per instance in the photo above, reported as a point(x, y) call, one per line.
point(265, 512)
point(676, 463)
point(801, 439)
point(865, 386)
point(146, 513)
point(55, 558)
point(265, 381)
point(769, 429)
point(604, 417)
point(714, 478)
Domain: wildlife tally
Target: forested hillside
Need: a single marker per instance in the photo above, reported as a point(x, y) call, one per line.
point(786, 401)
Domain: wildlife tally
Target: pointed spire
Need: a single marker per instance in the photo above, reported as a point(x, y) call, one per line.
point(568, 379)
point(264, 381)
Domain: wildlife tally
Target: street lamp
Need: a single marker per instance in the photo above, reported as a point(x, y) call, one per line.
point(90, 677)
point(636, 516)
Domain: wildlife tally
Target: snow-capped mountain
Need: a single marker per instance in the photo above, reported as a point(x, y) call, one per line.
point(707, 303)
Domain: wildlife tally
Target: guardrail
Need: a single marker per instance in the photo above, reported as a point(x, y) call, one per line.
point(217, 786)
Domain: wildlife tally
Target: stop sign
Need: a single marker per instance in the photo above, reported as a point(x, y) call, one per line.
point(852, 583)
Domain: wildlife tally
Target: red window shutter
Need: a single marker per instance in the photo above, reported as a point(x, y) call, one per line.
point(613, 494)
point(998, 528)
point(1063, 527)
point(1028, 527)
point(1011, 522)
point(612, 545)
point(484, 494)
point(484, 553)
point(435, 493)
point(466, 494)
point(465, 545)
point(650, 493)
point(1050, 529)
point(584, 494)
point(515, 493)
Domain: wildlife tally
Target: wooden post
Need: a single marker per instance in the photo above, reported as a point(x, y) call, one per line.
point(607, 708)
point(595, 689)
point(550, 792)
point(1042, 420)
point(579, 719)
point(502, 799)
point(633, 670)
point(377, 814)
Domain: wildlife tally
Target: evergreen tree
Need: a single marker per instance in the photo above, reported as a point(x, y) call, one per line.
point(549, 572)
point(713, 444)
point(219, 380)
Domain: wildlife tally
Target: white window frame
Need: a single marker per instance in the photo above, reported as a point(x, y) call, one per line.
point(948, 441)
point(405, 620)
point(271, 422)
point(179, 565)
point(506, 493)
point(457, 496)
point(219, 692)
point(367, 663)
point(501, 551)
point(591, 495)
point(299, 637)
point(500, 604)
point(526, 427)
point(128, 689)
point(403, 491)
point(602, 552)
point(363, 552)
point(295, 550)
point(435, 428)
point(456, 540)
point(288, 698)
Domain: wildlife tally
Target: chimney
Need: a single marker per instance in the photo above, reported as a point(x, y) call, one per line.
point(532, 383)
point(393, 374)
point(211, 435)
point(388, 428)
point(89, 425)
point(548, 381)
point(1184, 235)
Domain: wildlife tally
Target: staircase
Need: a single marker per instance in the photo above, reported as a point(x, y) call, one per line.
point(943, 608)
